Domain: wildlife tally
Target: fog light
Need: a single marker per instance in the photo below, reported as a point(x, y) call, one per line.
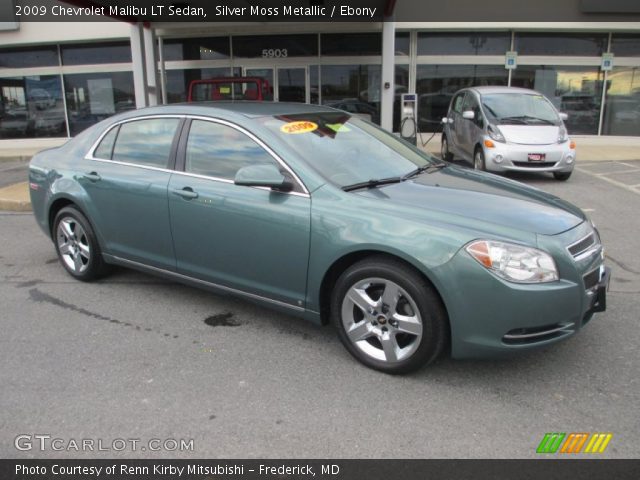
point(569, 159)
point(498, 158)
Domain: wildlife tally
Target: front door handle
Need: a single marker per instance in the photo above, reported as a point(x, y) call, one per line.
point(92, 177)
point(186, 192)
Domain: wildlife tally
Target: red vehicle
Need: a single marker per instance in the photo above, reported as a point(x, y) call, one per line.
point(230, 88)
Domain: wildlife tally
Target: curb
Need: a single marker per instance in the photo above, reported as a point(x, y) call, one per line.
point(16, 158)
point(15, 198)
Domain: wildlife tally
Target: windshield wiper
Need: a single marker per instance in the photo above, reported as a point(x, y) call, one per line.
point(526, 119)
point(433, 167)
point(374, 182)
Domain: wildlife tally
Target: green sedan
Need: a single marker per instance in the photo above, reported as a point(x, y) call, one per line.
point(323, 215)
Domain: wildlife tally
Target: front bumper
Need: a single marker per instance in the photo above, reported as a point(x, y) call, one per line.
point(559, 157)
point(490, 316)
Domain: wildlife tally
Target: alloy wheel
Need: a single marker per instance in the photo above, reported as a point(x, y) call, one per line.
point(73, 245)
point(382, 320)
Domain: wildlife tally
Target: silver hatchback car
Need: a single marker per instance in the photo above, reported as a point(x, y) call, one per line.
point(508, 129)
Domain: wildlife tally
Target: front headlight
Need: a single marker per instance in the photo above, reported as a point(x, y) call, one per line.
point(514, 263)
point(563, 136)
point(495, 133)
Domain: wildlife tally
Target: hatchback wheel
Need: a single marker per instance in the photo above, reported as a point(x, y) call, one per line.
point(562, 176)
point(478, 160)
point(77, 246)
point(445, 154)
point(387, 316)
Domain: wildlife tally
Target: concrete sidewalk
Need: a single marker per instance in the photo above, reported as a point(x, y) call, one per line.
point(16, 197)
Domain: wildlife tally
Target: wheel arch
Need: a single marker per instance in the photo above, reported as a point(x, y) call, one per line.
point(347, 260)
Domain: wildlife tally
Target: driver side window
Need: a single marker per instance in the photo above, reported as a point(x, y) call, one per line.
point(472, 104)
point(457, 103)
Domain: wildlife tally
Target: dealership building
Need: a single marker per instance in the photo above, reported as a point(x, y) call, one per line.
point(56, 79)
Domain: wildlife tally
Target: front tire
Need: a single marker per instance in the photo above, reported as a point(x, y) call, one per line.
point(562, 176)
point(387, 316)
point(77, 245)
point(478, 160)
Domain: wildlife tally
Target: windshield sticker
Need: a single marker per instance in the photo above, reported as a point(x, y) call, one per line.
point(298, 127)
point(338, 127)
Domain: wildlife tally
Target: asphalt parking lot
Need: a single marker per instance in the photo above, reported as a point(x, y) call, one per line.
point(134, 357)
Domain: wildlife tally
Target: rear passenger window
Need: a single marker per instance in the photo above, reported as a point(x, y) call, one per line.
point(105, 149)
point(217, 150)
point(146, 142)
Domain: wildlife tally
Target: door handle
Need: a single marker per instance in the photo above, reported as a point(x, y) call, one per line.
point(186, 192)
point(92, 177)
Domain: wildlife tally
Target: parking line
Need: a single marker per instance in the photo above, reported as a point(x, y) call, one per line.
point(627, 164)
point(619, 171)
point(610, 180)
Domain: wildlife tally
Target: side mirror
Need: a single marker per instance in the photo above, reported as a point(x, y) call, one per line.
point(563, 116)
point(468, 114)
point(263, 175)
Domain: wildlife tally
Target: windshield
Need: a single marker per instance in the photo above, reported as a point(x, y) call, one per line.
point(346, 150)
point(519, 109)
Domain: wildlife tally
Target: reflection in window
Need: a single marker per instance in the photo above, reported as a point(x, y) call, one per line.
point(209, 48)
point(29, 57)
point(622, 104)
point(348, 44)
point(31, 107)
point(436, 85)
point(625, 44)
point(490, 43)
point(178, 80)
point(115, 52)
point(355, 86)
point(219, 151)
point(402, 44)
point(576, 91)
point(105, 149)
point(575, 44)
point(92, 97)
point(146, 142)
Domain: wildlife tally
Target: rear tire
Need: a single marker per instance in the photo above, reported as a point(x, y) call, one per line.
point(387, 316)
point(446, 155)
point(77, 246)
point(562, 176)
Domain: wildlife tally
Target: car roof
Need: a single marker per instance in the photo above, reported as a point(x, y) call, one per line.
point(497, 89)
point(245, 108)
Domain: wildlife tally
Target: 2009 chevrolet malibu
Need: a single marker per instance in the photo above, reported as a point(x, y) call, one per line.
point(324, 215)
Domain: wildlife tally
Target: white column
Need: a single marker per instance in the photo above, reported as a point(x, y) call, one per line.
point(139, 65)
point(151, 64)
point(387, 89)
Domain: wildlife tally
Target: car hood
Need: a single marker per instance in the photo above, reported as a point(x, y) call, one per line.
point(486, 197)
point(530, 134)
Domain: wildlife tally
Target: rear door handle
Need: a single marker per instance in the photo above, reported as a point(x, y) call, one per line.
point(93, 176)
point(186, 192)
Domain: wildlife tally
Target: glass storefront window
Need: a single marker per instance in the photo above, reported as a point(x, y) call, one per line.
point(436, 85)
point(625, 45)
point(209, 48)
point(31, 107)
point(178, 80)
point(353, 88)
point(455, 43)
point(87, 54)
point(275, 46)
point(29, 57)
point(577, 91)
point(572, 44)
point(348, 44)
point(92, 97)
point(402, 44)
point(622, 104)
point(314, 87)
